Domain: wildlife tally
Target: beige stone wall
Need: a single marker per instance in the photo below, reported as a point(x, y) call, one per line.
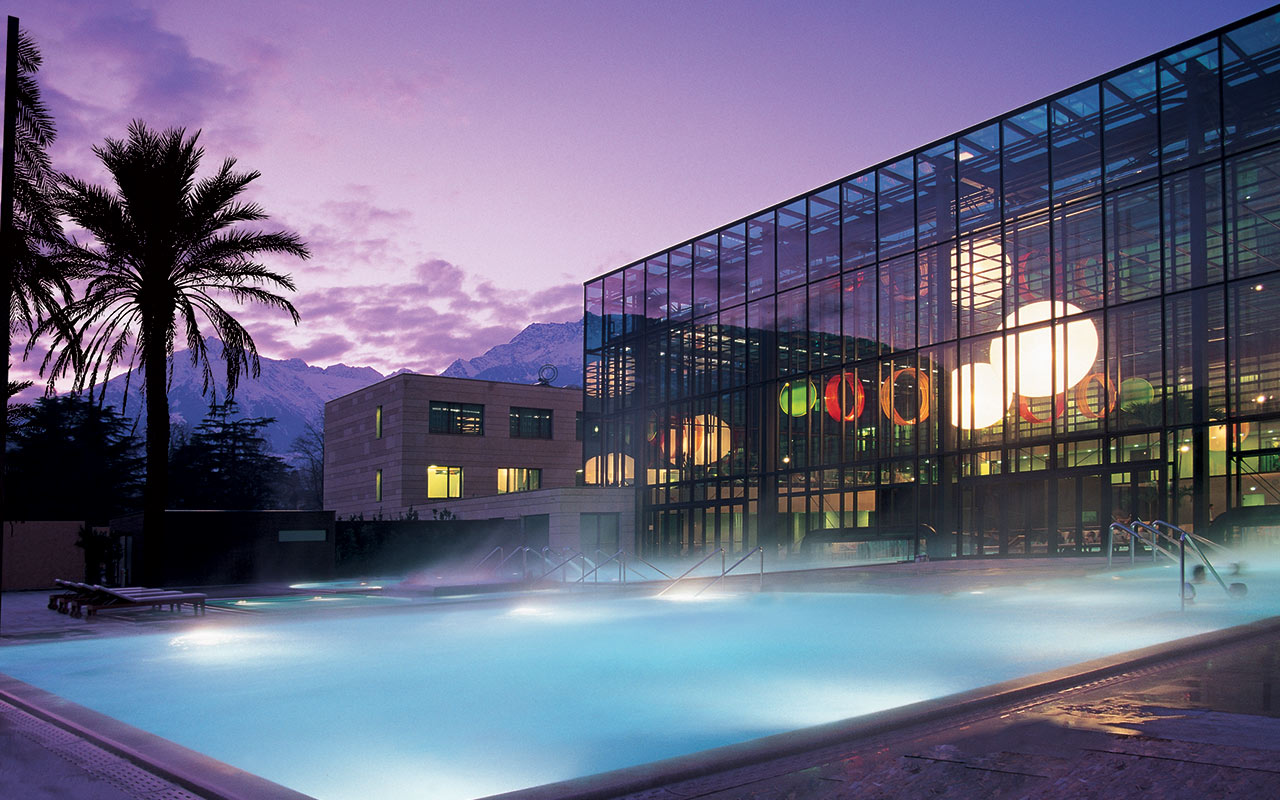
point(353, 454)
point(37, 552)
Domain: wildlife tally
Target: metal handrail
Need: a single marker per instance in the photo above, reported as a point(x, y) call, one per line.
point(497, 550)
point(558, 566)
point(651, 566)
point(596, 567)
point(1186, 537)
point(1126, 529)
point(704, 560)
point(1156, 533)
point(752, 552)
point(1201, 539)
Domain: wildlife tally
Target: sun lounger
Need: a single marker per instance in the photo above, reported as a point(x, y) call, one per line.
point(135, 597)
point(71, 590)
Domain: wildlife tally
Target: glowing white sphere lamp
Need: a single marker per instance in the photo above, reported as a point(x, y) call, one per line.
point(977, 398)
point(1029, 357)
point(618, 469)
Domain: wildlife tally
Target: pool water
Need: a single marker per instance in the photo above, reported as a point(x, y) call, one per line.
point(469, 701)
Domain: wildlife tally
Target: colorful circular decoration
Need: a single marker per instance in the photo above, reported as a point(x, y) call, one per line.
point(1082, 395)
point(796, 399)
point(1135, 392)
point(833, 394)
point(1059, 408)
point(886, 396)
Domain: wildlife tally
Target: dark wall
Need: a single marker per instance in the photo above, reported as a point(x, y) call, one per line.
point(392, 547)
point(198, 548)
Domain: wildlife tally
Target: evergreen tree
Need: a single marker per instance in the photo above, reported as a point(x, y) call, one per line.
point(224, 464)
point(72, 459)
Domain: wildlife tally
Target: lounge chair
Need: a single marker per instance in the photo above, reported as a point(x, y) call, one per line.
point(135, 597)
point(72, 590)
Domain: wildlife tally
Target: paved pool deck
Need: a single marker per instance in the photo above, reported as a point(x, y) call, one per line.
point(1197, 719)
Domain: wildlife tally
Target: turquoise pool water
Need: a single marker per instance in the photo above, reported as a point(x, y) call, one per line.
point(462, 702)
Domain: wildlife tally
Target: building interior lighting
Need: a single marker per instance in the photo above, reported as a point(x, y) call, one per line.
point(977, 399)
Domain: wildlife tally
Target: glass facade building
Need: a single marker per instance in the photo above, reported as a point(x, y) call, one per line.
point(989, 345)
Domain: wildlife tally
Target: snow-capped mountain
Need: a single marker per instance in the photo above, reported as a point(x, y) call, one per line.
point(518, 361)
point(294, 392)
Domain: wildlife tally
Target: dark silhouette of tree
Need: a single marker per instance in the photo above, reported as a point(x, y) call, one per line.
point(73, 459)
point(168, 249)
point(225, 464)
point(310, 469)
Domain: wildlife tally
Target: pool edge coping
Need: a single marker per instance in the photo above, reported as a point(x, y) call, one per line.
point(192, 770)
point(665, 772)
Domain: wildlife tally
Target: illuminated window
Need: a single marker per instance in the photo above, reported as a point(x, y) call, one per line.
point(377, 485)
point(530, 423)
point(443, 482)
point(519, 480)
point(464, 418)
point(377, 423)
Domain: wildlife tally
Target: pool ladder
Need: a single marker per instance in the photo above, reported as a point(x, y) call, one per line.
point(1182, 538)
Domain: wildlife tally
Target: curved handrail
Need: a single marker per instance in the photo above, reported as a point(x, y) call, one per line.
point(1201, 539)
point(705, 559)
point(1187, 537)
point(1155, 534)
point(1126, 529)
point(650, 566)
point(749, 554)
point(558, 566)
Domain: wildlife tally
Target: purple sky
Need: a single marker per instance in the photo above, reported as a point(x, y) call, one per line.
point(459, 169)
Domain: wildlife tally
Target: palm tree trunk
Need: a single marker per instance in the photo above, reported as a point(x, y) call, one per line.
point(155, 491)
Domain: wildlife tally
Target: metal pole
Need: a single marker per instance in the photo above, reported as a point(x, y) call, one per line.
point(1182, 571)
point(761, 549)
point(1110, 544)
point(6, 244)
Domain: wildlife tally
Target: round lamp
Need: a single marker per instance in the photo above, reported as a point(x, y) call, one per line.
point(977, 398)
point(1029, 356)
point(796, 399)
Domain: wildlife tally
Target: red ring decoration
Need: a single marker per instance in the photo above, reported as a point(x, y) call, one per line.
point(1082, 395)
point(1059, 408)
point(832, 395)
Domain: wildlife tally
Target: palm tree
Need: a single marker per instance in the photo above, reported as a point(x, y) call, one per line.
point(167, 249)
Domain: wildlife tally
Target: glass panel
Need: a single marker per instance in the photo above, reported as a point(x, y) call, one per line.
point(1136, 359)
point(898, 303)
point(1255, 359)
point(593, 328)
point(824, 234)
point(760, 256)
point(1026, 162)
point(824, 323)
point(979, 156)
point(463, 418)
point(1133, 243)
point(1130, 130)
point(1253, 212)
point(733, 265)
point(858, 226)
point(936, 194)
point(612, 306)
point(655, 295)
point(1078, 264)
point(791, 236)
point(444, 482)
point(936, 302)
point(1193, 228)
point(706, 269)
point(1189, 105)
point(632, 297)
point(859, 312)
point(680, 283)
point(534, 423)
point(1251, 83)
point(1027, 254)
point(1077, 146)
point(1196, 357)
point(978, 278)
point(896, 203)
point(793, 332)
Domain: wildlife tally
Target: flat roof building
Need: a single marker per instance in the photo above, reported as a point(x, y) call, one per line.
point(416, 440)
point(993, 343)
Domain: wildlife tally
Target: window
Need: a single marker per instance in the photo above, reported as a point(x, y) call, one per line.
point(377, 423)
point(518, 479)
point(377, 485)
point(598, 532)
point(530, 423)
point(444, 482)
point(464, 418)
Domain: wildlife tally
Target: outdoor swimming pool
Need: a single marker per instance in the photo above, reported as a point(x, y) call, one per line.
point(470, 701)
